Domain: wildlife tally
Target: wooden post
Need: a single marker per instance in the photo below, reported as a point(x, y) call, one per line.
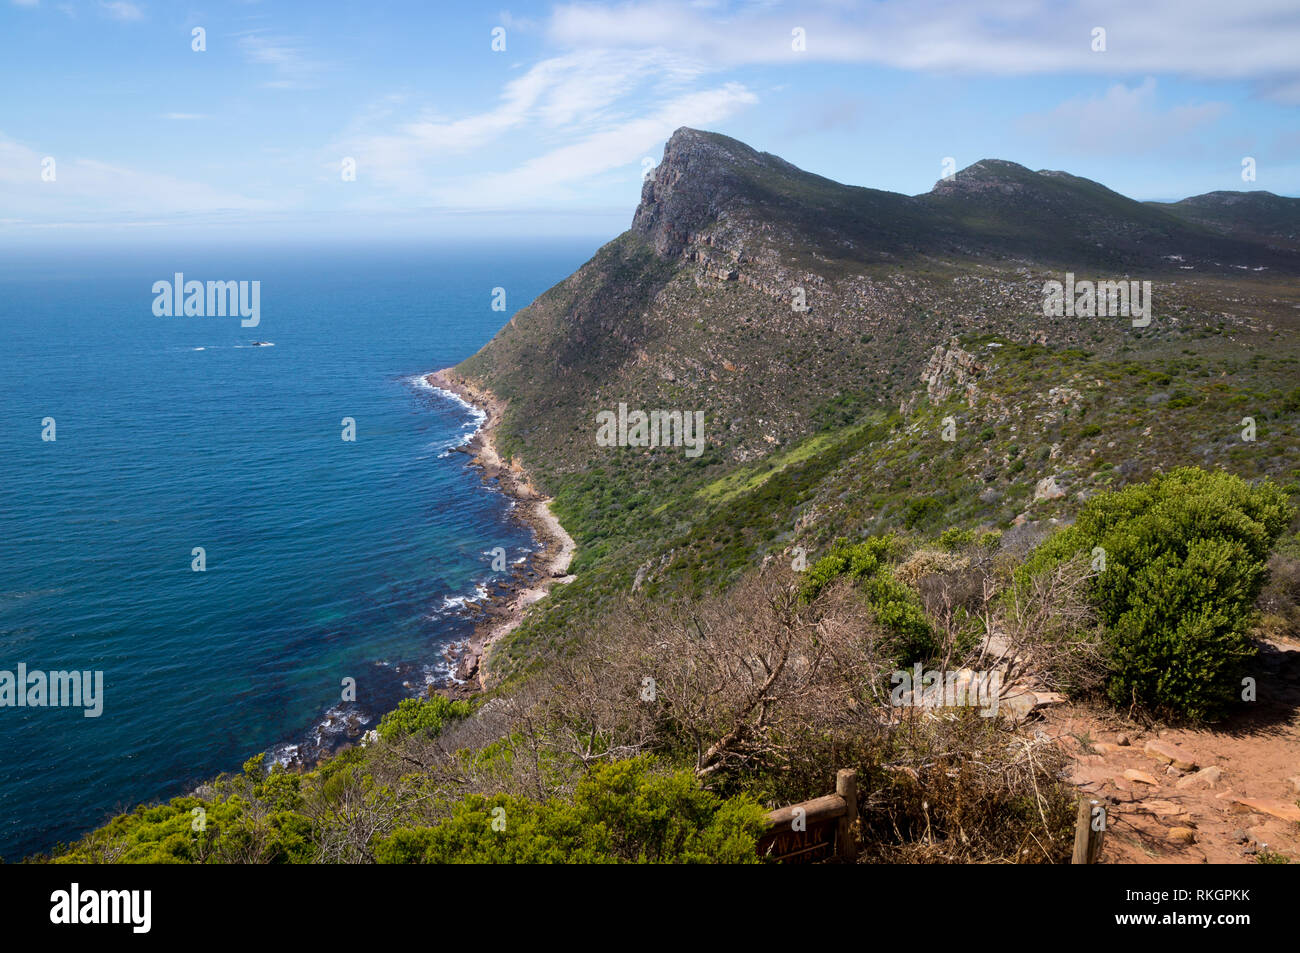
point(1087, 842)
point(846, 786)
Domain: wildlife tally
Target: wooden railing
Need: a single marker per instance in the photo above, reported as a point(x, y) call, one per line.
point(822, 829)
point(814, 830)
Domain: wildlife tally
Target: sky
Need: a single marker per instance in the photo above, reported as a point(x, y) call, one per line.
point(472, 121)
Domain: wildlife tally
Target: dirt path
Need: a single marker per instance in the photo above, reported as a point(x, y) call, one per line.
point(1179, 795)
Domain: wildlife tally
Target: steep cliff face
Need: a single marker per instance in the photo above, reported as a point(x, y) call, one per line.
point(694, 185)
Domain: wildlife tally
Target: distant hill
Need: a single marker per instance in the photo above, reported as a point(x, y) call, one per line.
point(1258, 217)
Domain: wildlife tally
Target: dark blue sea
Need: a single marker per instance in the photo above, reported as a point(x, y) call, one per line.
point(325, 559)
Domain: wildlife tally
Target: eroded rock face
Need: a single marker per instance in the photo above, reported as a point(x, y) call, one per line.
point(951, 370)
point(696, 180)
point(1048, 489)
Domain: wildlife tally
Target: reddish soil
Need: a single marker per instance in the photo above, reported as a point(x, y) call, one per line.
point(1190, 815)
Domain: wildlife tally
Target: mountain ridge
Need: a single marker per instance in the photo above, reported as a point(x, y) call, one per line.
point(991, 208)
point(740, 268)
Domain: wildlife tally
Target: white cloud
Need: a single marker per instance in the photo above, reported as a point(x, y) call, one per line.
point(86, 189)
point(620, 147)
point(511, 22)
point(1250, 39)
point(572, 97)
point(1123, 121)
point(293, 68)
point(121, 10)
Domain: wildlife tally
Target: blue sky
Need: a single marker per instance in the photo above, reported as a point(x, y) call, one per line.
point(151, 138)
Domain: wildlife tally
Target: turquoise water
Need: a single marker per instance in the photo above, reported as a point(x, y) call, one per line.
point(325, 559)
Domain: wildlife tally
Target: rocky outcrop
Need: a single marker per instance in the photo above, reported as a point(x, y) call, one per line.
point(695, 183)
point(1048, 488)
point(951, 370)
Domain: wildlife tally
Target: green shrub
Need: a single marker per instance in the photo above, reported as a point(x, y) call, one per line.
point(896, 607)
point(253, 818)
point(425, 716)
point(921, 510)
point(1185, 557)
point(620, 813)
point(954, 538)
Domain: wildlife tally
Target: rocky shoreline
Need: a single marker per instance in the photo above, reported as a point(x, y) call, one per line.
point(503, 610)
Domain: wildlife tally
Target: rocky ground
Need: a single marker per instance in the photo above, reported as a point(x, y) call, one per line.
point(1224, 794)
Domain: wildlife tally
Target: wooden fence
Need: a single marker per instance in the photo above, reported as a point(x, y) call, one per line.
point(822, 829)
point(814, 830)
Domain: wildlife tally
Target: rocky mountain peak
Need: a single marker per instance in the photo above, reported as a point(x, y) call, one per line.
point(988, 175)
point(700, 175)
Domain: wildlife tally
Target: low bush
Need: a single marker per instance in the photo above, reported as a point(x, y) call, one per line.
point(619, 813)
point(1180, 560)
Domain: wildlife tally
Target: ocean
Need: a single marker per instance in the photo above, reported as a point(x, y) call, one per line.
point(324, 559)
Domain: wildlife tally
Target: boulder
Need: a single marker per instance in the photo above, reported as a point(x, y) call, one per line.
point(1048, 489)
point(1282, 810)
point(1170, 754)
point(1206, 777)
point(1160, 808)
point(1133, 774)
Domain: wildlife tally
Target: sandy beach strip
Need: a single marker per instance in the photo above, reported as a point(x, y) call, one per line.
point(504, 614)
